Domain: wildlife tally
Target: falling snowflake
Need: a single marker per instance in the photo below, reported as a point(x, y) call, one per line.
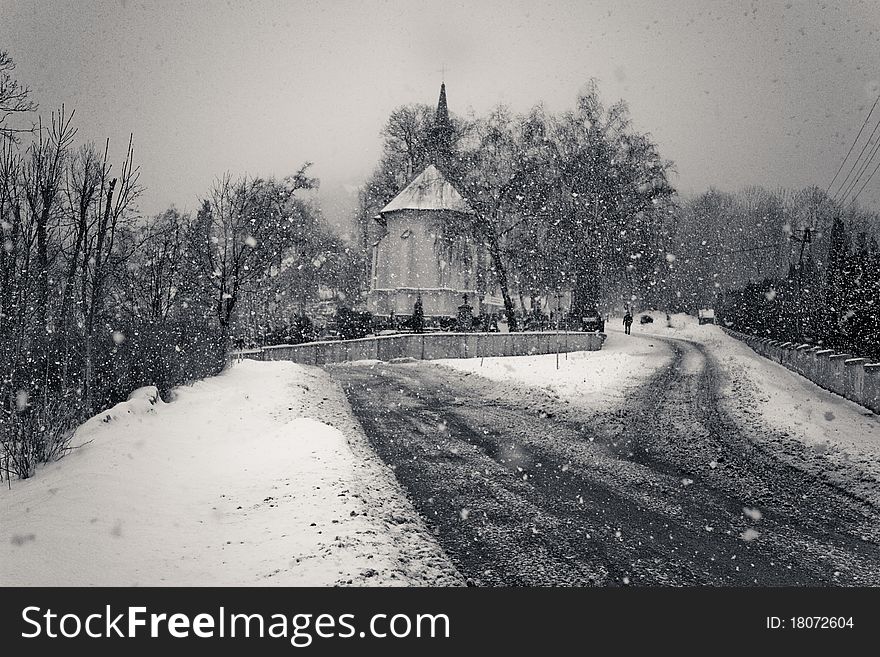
point(753, 514)
point(749, 535)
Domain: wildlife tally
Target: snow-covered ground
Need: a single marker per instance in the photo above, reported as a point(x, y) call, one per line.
point(598, 379)
point(257, 476)
point(839, 433)
point(263, 476)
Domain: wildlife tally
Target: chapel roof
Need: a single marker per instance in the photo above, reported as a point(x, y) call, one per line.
point(429, 191)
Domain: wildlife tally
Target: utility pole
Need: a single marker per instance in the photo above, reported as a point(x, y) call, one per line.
point(806, 239)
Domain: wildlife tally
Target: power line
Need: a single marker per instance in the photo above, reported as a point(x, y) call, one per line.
point(855, 141)
point(865, 184)
point(858, 178)
point(858, 159)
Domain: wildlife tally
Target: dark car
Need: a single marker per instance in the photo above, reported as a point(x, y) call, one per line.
point(593, 323)
point(646, 319)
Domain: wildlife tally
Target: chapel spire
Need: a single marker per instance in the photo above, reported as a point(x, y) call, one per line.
point(441, 132)
point(442, 109)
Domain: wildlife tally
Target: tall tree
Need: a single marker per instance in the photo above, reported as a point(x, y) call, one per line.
point(15, 99)
point(113, 212)
point(612, 193)
point(245, 228)
point(490, 177)
point(43, 175)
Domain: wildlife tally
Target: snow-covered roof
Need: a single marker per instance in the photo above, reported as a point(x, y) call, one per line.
point(429, 191)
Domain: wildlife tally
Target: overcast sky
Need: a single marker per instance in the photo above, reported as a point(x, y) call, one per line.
point(736, 93)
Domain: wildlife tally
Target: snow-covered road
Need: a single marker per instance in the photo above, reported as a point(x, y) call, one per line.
point(838, 439)
point(652, 463)
point(255, 477)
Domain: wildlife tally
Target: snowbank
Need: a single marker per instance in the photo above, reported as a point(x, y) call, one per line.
point(140, 402)
point(239, 481)
point(598, 379)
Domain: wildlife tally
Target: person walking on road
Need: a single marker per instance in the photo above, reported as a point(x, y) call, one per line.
point(627, 321)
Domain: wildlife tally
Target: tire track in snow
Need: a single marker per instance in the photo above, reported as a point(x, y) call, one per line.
point(522, 488)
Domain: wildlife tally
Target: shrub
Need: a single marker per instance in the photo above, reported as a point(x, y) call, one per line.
point(352, 324)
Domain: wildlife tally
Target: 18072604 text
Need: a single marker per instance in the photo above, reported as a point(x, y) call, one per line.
point(810, 623)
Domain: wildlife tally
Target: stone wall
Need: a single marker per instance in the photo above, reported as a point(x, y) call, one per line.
point(426, 346)
point(853, 378)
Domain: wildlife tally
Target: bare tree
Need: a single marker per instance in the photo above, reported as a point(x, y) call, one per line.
point(14, 98)
point(67, 233)
point(243, 230)
point(492, 183)
point(153, 277)
point(13, 248)
point(407, 138)
point(101, 257)
point(43, 177)
point(81, 190)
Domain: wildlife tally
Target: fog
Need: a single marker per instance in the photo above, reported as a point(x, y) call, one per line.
point(735, 94)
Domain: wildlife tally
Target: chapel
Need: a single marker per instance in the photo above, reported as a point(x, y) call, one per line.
point(409, 259)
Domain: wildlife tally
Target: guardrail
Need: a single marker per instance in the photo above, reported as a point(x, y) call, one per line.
point(427, 346)
point(857, 379)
